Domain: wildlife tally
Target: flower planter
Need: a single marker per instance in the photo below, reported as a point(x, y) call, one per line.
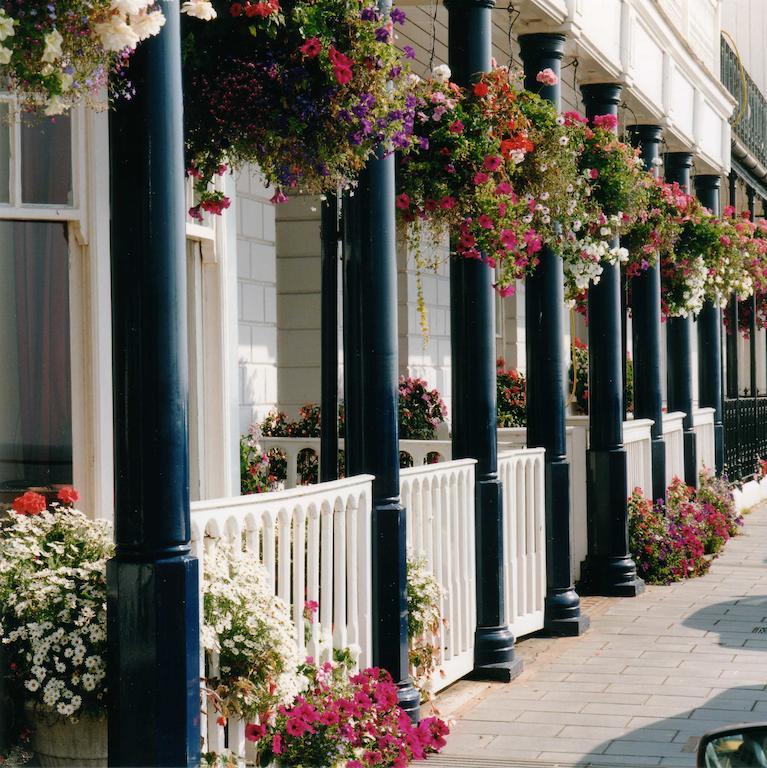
point(60, 742)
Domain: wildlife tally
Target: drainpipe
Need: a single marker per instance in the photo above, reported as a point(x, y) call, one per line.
point(610, 569)
point(472, 343)
point(710, 335)
point(153, 612)
point(546, 384)
point(679, 342)
point(645, 329)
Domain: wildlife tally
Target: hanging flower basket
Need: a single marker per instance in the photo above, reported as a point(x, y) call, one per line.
point(306, 89)
point(492, 165)
point(55, 54)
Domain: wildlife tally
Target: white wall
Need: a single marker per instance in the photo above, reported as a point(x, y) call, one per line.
point(257, 298)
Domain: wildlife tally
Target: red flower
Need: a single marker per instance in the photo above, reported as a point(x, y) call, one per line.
point(68, 495)
point(455, 127)
point(30, 503)
point(216, 206)
point(311, 47)
point(342, 74)
point(481, 90)
point(236, 9)
point(254, 732)
point(403, 201)
point(278, 198)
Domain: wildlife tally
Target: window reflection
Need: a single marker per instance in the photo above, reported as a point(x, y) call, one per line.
point(46, 160)
point(35, 375)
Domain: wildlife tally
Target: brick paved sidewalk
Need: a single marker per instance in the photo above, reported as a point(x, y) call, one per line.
point(650, 677)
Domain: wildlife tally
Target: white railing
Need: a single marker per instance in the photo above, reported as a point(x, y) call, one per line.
point(703, 424)
point(524, 532)
point(420, 451)
point(637, 437)
point(315, 543)
point(673, 434)
point(439, 500)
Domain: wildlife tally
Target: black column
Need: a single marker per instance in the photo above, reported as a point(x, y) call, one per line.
point(710, 335)
point(645, 329)
point(153, 661)
point(329, 341)
point(610, 569)
point(546, 383)
point(472, 343)
point(679, 342)
point(371, 241)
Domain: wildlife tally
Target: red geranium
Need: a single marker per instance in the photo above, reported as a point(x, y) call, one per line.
point(68, 495)
point(30, 503)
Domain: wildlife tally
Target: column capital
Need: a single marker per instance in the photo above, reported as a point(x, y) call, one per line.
point(645, 134)
point(601, 98)
point(677, 167)
point(542, 45)
point(456, 5)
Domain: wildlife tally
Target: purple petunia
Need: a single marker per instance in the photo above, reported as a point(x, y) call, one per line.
point(383, 34)
point(409, 52)
point(369, 14)
point(398, 15)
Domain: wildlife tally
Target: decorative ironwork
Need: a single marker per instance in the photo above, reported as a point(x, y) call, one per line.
point(750, 123)
point(745, 435)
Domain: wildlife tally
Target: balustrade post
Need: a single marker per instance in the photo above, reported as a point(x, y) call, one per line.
point(546, 383)
point(710, 335)
point(679, 341)
point(610, 569)
point(646, 329)
point(153, 652)
point(473, 353)
point(371, 241)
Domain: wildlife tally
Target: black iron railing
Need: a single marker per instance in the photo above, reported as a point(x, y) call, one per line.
point(750, 124)
point(745, 435)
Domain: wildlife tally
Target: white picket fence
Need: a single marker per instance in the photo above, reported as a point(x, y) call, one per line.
point(703, 424)
point(315, 544)
point(524, 537)
point(637, 438)
point(673, 433)
point(439, 500)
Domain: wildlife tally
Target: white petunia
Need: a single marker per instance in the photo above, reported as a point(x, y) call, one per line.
point(441, 73)
point(5, 55)
point(116, 34)
point(6, 26)
point(53, 41)
point(55, 106)
point(200, 9)
point(147, 24)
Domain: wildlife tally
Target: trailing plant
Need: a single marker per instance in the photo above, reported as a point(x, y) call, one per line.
point(344, 720)
point(424, 621)
point(579, 376)
point(256, 472)
point(55, 54)
point(511, 396)
point(306, 89)
point(492, 165)
point(250, 630)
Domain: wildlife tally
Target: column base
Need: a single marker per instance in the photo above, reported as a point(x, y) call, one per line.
point(574, 627)
point(494, 657)
point(504, 672)
point(153, 672)
point(409, 700)
point(610, 577)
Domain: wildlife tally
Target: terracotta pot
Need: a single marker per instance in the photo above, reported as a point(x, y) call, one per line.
point(61, 743)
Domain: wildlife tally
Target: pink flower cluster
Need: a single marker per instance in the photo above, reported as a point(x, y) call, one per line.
point(354, 719)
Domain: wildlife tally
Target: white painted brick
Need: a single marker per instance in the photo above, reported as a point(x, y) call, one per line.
point(269, 227)
point(299, 274)
point(243, 259)
point(251, 218)
point(252, 307)
point(270, 305)
point(245, 350)
point(263, 344)
point(263, 261)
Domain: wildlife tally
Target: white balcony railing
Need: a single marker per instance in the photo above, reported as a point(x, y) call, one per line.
point(673, 433)
point(524, 531)
point(703, 424)
point(314, 542)
point(439, 500)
